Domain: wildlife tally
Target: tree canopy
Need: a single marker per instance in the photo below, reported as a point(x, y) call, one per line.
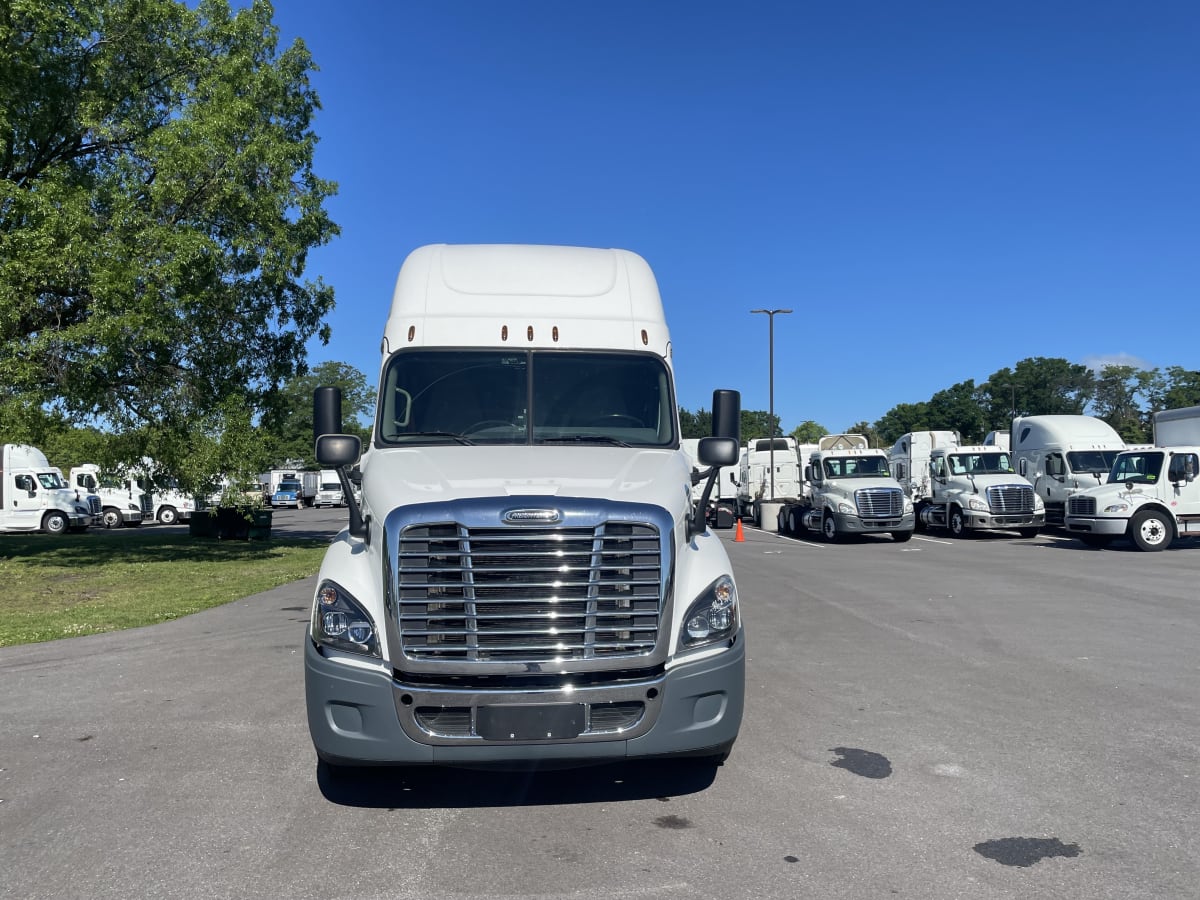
point(157, 205)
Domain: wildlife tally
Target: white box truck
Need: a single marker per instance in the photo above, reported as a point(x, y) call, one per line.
point(1062, 454)
point(34, 496)
point(122, 500)
point(527, 580)
point(329, 489)
point(851, 492)
point(1151, 495)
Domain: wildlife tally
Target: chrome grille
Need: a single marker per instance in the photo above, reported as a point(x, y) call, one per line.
point(879, 503)
point(1081, 506)
point(1010, 498)
point(528, 594)
point(93, 503)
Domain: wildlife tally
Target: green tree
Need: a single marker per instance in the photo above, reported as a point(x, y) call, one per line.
point(1038, 386)
point(958, 408)
point(287, 427)
point(1116, 401)
point(157, 205)
point(809, 432)
point(756, 423)
point(901, 419)
point(695, 424)
point(1174, 388)
point(866, 428)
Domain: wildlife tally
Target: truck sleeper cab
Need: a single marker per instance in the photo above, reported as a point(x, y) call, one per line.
point(527, 579)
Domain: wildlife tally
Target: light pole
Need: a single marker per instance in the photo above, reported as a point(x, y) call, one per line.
point(771, 313)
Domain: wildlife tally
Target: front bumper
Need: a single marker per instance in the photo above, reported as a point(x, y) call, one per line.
point(848, 523)
point(981, 521)
point(1097, 525)
point(364, 717)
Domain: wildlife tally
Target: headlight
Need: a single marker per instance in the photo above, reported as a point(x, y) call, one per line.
point(1117, 508)
point(908, 505)
point(977, 504)
point(1039, 505)
point(712, 617)
point(846, 508)
point(339, 622)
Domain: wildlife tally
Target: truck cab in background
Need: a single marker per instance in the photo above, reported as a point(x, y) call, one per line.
point(768, 471)
point(1151, 495)
point(1062, 454)
point(975, 488)
point(122, 500)
point(527, 580)
point(722, 500)
point(852, 492)
point(329, 489)
point(34, 496)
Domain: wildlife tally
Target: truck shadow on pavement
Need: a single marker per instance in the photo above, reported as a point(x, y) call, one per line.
point(441, 788)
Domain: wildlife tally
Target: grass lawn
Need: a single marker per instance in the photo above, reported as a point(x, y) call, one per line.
point(73, 584)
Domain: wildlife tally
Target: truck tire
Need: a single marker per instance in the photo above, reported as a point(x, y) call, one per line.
point(54, 522)
point(901, 536)
point(955, 522)
point(794, 523)
point(829, 529)
point(168, 515)
point(1151, 530)
point(111, 517)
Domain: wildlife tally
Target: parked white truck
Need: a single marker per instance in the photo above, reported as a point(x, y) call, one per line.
point(974, 488)
point(768, 470)
point(910, 456)
point(292, 487)
point(122, 500)
point(527, 580)
point(1151, 495)
point(1061, 454)
point(851, 492)
point(34, 496)
point(329, 489)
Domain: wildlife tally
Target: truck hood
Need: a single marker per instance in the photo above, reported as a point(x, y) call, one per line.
point(396, 477)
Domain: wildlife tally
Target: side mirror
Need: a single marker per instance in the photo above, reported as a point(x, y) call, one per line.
point(336, 450)
point(718, 451)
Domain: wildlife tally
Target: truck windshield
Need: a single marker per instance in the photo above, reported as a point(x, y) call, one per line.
point(1138, 467)
point(1091, 462)
point(485, 396)
point(289, 486)
point(51, 480)
point(856, 467)
point(980, 464)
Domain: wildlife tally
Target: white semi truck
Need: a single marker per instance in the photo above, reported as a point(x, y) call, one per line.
point(975, 488)
point(527, 580)
point(910, 456)
point(768, 470)
point(122, 500)
point(851, 492)
point(1152, 495)
point(329, 489)
point(34, 496)
point(1062, 454)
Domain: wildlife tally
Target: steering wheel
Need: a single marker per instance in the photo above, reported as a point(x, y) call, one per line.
point(488, 423)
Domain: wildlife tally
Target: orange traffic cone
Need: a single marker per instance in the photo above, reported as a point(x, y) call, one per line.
point(739, 535)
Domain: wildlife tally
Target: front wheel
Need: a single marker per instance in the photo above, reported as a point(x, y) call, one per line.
point(111, 517)
point(1150, 530)
point(956, 522)
point(54, 522)
point(168, 515)
point(829, 529)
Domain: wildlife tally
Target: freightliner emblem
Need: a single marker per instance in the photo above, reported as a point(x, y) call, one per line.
point(532, 516)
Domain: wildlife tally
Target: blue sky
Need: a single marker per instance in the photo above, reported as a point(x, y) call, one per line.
point(938, 190)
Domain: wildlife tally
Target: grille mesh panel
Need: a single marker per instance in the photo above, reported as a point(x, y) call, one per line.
point(1011, 498)
point(879, 503)
point(1081, 506)
point(529, 594)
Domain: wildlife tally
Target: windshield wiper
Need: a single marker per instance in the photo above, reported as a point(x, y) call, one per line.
point(438, 434)
point(584, 439)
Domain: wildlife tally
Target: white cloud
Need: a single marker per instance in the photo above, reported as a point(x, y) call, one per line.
point(1098, 361)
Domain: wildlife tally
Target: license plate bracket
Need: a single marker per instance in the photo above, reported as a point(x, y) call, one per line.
point(547, 722)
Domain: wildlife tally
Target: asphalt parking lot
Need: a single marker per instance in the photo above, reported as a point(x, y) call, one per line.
point(985, 718)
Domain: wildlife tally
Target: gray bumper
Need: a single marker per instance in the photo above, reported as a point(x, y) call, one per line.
point(981, 521)
point(355, 716)
point(1111, 527)
point(848, 523)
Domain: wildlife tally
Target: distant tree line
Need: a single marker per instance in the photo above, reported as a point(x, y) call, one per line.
point(1124, 396)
